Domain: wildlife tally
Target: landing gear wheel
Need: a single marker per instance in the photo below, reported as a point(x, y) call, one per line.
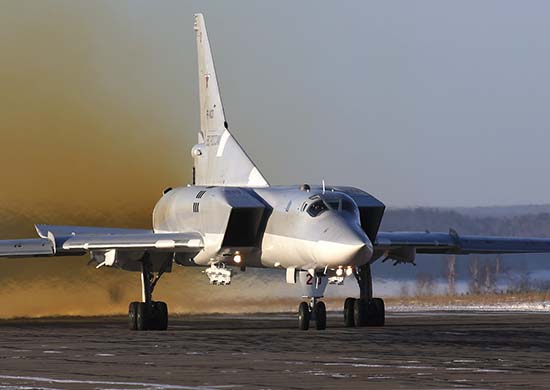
point(349, 304)
point(320, 316)
point(380, 316)
point(371, 312)
point(160, 316)
point(304, 316)
point(132, 315)
point(360, 312)
point(143, 317)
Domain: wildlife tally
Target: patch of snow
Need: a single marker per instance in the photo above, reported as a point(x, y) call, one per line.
point(497, 307)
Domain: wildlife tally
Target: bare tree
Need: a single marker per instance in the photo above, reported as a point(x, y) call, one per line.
point(425, 284)
point(474, 285)
point(488, 277)
point(523, 283)
point(451, 274)
point(404, 289)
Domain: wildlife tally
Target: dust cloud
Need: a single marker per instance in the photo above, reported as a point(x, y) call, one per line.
point(84, 291)
point(90, 136)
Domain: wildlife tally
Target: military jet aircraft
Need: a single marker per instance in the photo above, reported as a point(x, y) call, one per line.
point(231, 218)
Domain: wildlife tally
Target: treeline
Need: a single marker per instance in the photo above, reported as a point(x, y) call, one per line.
point(433, 219)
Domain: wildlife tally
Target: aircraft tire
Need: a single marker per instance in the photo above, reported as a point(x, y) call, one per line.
point(380, 318)
point(304, 316)
point(143, 317)
point(372, 312)
point(160, 316)
point(360, 312)
point(349, 320)
point(320, 316)
point(132, 315)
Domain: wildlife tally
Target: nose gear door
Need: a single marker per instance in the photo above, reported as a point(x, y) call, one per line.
point(313, 285)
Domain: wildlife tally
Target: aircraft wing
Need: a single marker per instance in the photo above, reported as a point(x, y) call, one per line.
point(77, 240)
point(402, 246)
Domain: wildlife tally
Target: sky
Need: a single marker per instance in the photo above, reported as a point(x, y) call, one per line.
point(423, 103)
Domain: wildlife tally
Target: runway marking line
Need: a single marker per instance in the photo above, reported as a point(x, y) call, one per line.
point(92, 382)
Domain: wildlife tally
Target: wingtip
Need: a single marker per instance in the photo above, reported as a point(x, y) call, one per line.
point(39, 230)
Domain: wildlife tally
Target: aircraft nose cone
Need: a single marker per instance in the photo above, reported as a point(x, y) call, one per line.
point(348, 247)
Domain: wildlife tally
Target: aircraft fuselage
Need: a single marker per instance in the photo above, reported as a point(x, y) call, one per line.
point(287, 227)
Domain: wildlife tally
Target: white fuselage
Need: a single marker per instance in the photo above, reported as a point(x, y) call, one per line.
point(292, 227)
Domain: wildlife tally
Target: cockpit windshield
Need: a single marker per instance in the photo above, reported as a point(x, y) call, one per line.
point(339, 204)
point(316, 208)
point(348, 205)
point(333, 204)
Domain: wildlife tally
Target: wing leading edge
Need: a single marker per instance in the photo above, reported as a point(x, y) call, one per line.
point(77, 240)
point(34, 247)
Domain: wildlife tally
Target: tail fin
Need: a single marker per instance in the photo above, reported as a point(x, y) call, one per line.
point(218, 157)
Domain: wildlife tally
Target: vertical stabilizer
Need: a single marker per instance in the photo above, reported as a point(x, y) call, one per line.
point(218, 157)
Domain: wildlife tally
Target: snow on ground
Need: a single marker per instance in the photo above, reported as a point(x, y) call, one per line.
point(497, 307)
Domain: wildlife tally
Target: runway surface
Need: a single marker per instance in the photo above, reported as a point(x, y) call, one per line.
point(414, 350)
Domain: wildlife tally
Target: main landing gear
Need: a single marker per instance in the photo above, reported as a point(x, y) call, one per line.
point(365, 311)
point(148, 314)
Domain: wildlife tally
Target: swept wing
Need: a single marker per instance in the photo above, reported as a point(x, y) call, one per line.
point(78, 240)
point(403, 246)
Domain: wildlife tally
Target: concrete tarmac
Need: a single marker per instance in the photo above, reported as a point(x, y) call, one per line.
point(414, 351)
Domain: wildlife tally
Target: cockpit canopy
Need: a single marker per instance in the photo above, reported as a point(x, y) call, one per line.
point(336, 202)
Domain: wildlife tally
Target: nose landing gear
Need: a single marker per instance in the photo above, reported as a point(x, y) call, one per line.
point(314, 285)
point(314, 311)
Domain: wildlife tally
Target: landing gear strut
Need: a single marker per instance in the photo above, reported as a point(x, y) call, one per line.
point(148, 314)
point(365, 311)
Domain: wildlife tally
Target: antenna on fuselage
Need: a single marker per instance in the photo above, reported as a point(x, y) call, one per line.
point(323, 186)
